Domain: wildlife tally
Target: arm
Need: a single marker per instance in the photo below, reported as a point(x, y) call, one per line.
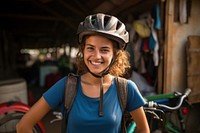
point(35, 114)
point(140, 120)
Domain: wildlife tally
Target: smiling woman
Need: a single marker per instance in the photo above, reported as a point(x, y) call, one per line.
point(98, 54)
point(96, 107)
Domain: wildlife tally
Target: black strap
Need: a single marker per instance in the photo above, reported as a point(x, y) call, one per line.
point(69, 96)
point(101, 99)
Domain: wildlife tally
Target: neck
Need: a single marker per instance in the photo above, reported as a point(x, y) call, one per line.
point(90, 79)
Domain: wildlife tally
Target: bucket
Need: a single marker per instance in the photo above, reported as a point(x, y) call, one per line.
point(13, 90)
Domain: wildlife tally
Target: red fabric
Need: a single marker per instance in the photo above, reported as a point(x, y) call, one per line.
point(51, 79)
point(146, 45)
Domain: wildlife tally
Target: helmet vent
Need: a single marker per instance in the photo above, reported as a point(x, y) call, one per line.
point(93, 20)
point(118, 26)
point(106, 20)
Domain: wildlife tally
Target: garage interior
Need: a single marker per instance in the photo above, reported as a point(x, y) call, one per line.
point(46, 29)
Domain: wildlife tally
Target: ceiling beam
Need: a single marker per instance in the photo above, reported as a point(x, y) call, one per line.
point(139, 8)
point(82, 7)
point(47, 9)
point(105, 7)
point(124, 5)
point(35, 17)
point(71, 8)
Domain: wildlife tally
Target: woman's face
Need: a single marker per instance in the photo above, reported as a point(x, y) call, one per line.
point(98, 53)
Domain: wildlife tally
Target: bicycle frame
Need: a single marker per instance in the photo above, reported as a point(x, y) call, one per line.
point(168, 99)
point(167, 125)
point(7, 107)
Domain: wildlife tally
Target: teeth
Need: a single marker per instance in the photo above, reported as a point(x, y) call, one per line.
point(96, 63)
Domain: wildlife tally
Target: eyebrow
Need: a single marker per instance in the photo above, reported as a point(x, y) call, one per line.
point(106, 47)
point(88, 44)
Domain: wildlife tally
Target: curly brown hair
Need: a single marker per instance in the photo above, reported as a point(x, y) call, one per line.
point(119, 68)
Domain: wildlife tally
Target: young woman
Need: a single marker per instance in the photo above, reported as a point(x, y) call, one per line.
point(102, 39)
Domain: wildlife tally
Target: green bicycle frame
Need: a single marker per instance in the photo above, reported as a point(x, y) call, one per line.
point(168, 125)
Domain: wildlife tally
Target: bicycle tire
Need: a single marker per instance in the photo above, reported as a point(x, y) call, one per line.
point(9, 121)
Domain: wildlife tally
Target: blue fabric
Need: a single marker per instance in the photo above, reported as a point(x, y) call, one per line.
point(152, 42)
point(84, 118)
point(157, 19)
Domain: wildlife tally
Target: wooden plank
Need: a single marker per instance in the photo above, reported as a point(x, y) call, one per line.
point(193, 68)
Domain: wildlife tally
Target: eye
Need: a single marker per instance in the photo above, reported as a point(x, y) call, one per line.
point(89, 48)
point(105, 50)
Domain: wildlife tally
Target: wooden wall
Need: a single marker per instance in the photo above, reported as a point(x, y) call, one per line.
point(175, 66)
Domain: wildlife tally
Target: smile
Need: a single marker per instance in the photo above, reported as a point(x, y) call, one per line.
point(95, 63)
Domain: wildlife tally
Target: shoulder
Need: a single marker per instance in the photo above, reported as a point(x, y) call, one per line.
point(131, 84)
point(128, 82)
point(132, 87)
point(54, 95)
point(135, 99)
point(61, 82)
point(123, 81)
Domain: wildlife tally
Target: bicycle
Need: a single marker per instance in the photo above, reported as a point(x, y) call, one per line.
point(10, 113)
point(159, 110)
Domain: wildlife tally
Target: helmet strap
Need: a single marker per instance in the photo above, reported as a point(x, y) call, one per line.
point(101, 99)
point(105, 72)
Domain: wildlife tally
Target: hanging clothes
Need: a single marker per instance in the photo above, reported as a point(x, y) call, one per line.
point(142, 28)
point(157, 17)
point(155, 43)
point(139, 63)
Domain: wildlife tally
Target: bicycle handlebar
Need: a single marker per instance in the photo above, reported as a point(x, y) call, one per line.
point(152, 104)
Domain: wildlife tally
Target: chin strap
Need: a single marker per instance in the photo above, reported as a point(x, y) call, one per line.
point(105, 72)
point(101, 99)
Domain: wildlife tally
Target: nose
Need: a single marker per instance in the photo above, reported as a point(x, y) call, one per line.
point(97, 54)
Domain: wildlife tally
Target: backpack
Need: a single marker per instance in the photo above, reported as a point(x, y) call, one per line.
point(70, 94)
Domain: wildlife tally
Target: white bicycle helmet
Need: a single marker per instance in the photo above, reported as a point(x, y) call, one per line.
point(105, 25)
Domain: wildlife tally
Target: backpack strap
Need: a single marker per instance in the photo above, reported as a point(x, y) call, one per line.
point(70, 91)
point(122, 92)
point(69, 96)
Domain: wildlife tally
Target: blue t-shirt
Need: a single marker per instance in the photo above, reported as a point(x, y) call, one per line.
point(84, 118)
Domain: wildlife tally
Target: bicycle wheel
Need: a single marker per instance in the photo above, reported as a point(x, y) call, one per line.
point(9, 121)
